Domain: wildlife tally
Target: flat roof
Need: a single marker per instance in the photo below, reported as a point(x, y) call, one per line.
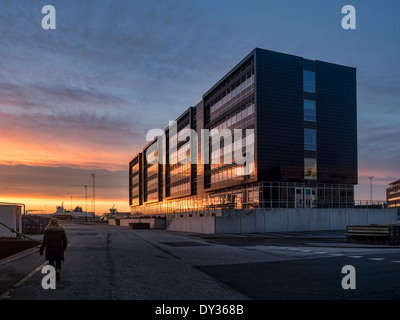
point(394, 183)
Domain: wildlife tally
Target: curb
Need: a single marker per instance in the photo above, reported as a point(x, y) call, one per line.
point(19, 255)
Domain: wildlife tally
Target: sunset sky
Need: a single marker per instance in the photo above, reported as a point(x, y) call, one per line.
point(80, 99)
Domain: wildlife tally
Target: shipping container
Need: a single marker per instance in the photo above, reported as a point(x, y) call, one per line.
point(32, 224)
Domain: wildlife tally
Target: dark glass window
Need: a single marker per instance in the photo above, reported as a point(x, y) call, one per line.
point(310, 139)
point(309, 110)
point(309, 81)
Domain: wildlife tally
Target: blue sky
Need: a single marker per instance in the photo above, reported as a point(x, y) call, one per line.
point(83, 96)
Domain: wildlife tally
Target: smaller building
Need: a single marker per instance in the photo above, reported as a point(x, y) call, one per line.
point(393, 195)
point(10, 217)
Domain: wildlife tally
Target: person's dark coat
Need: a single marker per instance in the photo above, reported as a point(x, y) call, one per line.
point(55, 242)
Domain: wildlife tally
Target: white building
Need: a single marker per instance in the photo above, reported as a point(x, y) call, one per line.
point(10, 216)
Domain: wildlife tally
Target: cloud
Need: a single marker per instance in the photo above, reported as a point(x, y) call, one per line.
point(44, 188)
point(61, 182)
point(85, 94)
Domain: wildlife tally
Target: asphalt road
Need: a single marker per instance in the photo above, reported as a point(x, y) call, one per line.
point(114, 263)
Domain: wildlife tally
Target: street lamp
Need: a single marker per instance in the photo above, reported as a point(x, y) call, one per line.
point(94, 194)
point(370, 188)
point(86, 198)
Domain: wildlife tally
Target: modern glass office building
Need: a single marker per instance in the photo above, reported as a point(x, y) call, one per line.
point(393, 195)
point(297, 117)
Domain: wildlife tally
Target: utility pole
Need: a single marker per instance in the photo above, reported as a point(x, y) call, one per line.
point(94, 193)
point(86, 198)
point(370, 188)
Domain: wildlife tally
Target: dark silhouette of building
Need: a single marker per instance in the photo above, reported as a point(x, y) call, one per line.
point(303, 114)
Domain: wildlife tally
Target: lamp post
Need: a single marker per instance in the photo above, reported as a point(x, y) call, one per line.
point(370, 188)
point(94, 193)
point(86, 198)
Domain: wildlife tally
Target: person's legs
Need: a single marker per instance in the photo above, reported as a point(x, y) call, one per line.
point(54, 263)
point(58, 265)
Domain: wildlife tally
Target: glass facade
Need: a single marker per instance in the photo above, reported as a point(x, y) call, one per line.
point(393, 195)
point(310, 168)
point(310, 139)
point(283, 107)
point(135, 181)
point(309, 81)
point(227, 98)
point(309, 110)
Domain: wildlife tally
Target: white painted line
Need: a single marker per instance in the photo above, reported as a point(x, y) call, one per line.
point(307, 250)
point(320, 252)
point(336, 254)
point(395, 261)
point(376, 259)
point(355, 257)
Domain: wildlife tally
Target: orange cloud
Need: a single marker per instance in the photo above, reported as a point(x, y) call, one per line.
point(30, 142)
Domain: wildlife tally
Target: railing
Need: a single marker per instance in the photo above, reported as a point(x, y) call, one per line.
point(373, 204)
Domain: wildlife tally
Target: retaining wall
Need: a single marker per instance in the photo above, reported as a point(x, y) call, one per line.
point(155, 223)
point(275, 220)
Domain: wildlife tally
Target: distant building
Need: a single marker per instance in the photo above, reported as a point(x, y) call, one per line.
point(10, 217)
point(303, 114)
point(393, 195)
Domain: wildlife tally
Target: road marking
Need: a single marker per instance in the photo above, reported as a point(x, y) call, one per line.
point(320, 252)
point(337, 254)
point(355, 257)
point(376, 259)
point(396, 261)
point(307, 250)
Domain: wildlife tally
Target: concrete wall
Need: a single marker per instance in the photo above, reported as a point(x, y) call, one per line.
point(274, 220)
point(205, 225)
point(301, 219)
point(277, 220)
point(155, 223)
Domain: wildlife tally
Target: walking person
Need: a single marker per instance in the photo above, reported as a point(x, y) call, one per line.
point(55, 242)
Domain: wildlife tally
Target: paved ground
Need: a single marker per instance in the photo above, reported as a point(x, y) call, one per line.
point(114, 263)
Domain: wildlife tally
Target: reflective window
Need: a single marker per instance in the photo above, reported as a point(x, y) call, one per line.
point(309, 81)
point(310, 139)
point(233, 91)
point(309, 110)
point(310, 168)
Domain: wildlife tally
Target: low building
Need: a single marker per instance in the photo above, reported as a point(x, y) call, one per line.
point(10, 217)
point(393, 195)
